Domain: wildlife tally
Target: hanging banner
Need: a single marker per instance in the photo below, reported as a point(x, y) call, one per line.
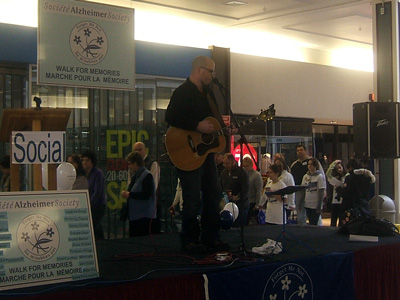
point(84, 44)
point(45, 237)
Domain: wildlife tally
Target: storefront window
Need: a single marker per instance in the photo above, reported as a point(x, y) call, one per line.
point(13, 91)
point(332, 142)
point(110, 122)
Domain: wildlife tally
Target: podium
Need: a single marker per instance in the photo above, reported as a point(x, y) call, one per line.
point(33, 119)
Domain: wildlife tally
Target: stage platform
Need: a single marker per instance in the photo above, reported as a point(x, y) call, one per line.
point(144, 267)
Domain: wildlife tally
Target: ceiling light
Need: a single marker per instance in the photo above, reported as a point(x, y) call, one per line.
point(235, 3)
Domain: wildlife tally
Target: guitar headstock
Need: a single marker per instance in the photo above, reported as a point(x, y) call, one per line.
point(267, 114)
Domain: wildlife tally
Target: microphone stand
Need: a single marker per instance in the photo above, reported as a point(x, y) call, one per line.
point(242, 141)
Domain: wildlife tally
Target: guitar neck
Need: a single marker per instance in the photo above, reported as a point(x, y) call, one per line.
point(248, 121)
point(223, 131)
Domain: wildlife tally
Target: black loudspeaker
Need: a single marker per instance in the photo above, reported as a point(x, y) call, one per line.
point(376, 130)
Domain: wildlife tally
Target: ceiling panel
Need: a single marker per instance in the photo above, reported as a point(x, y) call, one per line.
point(326, 24)
point(351, 28)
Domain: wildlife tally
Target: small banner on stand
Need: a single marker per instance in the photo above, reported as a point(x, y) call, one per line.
point(46, 237)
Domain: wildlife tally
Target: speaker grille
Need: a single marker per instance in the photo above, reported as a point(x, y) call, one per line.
point(376, 129)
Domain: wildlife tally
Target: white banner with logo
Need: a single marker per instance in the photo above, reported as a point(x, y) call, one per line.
point(45, 237)
point(83, 44)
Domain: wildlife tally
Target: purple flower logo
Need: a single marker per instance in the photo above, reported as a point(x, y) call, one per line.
point(38, 237)
point(88, 43)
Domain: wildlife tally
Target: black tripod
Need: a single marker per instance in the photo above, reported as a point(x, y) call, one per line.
point(284, 233)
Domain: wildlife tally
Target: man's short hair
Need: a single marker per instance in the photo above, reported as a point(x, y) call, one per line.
point(91, 155)
point(354, 164)
point(248, 161)
point(230, 157)
point(301, 146)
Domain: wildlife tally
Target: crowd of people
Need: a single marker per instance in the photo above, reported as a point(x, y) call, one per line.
point(243, 185)
point(201, 189)
point(141, 195)
point(252, 192)
point(90, 177)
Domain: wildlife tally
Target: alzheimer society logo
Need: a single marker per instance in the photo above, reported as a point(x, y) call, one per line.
point(38, 237)
point(88, 42)
point(290, 281)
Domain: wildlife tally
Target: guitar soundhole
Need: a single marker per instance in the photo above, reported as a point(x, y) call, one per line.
point(208, 142)
point(207, 138)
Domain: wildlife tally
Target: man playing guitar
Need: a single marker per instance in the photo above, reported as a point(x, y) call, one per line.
point(190, 106)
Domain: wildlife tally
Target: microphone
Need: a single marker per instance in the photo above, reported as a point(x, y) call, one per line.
point(218, 83)
point(38, 102)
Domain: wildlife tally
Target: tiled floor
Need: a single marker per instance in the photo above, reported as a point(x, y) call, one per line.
point(326, 221)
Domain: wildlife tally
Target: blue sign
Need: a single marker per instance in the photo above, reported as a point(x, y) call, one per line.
point(328, 277)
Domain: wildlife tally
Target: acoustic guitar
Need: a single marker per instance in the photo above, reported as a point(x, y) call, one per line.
point(188, 149)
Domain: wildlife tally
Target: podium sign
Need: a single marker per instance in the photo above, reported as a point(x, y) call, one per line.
point(37, 147)
point(45, 237)
point(25, 119)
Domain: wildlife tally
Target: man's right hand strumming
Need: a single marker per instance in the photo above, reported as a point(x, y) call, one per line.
point(205, 126)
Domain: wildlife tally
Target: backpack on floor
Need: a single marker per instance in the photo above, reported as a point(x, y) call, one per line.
point(369, 226)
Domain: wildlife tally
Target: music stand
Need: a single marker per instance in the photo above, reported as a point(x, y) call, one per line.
point(283, 235)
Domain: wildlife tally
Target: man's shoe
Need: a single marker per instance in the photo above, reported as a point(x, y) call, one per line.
point(216, 246)
point(193, 248)
point(270, 247)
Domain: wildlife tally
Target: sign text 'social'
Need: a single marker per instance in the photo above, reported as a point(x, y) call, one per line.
point(32, 147)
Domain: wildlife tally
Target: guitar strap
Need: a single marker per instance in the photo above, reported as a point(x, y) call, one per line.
point(214, 108)
point(212, 102)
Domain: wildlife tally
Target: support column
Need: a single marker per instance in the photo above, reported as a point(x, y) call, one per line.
point(222, 59)
point(37, 168)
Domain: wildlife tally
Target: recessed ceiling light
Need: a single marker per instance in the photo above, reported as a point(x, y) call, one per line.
point(235, 3)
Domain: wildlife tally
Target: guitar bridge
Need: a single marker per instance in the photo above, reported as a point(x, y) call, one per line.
point(191, 143)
